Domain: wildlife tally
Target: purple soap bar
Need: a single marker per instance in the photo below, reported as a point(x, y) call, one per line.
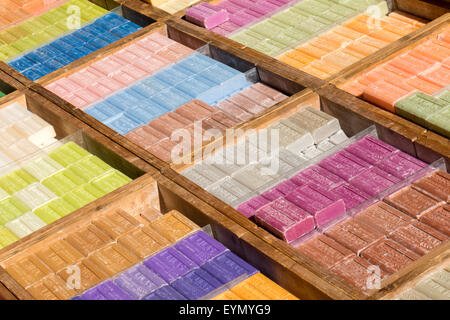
point(113, 292)
point(196, 284)
point(139, 281)
point(93, 294)
point(206, 15)
point(344, 164)
point(401, 165)
point(228, 267)
point(200, 247)
point(321, 207)
point(319, 177)
point(374, 180)
point(371, 149)
point(351, 195)
point(170, 264)
point(285, 220)
point(249, 207)
point(165, 293)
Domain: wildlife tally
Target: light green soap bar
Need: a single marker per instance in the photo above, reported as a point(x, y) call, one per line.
point(42, 36)
point(331, 16)
point(244, 38)
point(311, 26)
point(16, 181)
point(68, 153)
point(440, 122)
point(24, 44)
point(10, 209)
point(312, 7)
point(54, 15)
point(9, 51)
point(266, 28)
point(291, 17)
point(418, 107)
point(284, 38)
point(47, 214)
point(61, 207)
point(357, 4)
point(6, 237)
point(90, 167)
point(445, 96)
point(63, 182)
point(266, 48)
point(79, 197)
point(111, 181)
point(54, 31)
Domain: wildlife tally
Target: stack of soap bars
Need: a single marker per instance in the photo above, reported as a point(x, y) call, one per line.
point(239, 171)
point(15, 11)
point(405, 84)
point(36, 187)
point(434, 287)
point(126, 257)
point(151, 88)
point(43, 44)
point(172, 6)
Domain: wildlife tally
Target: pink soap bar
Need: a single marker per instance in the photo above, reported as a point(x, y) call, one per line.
point(243, 3)
point(401, 165)
point(206, 15)
point(229, 26)
point(280, 190)
point(230, 7)
point(231, 108)
point(344, 164)
point(374, 180)
point(320, 206)
point(242, 18)
point(285, 220)
point(351, 195)
point(249, 207)
point(319, 177)
point(264, 7)
point(371, 149)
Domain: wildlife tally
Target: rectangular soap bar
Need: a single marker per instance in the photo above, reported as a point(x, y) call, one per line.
point(196, 284)
point(165, 293)
point(319, 177)
point(401, 165)
point(344, 164)
point(173, 226)
point(438, 218)
point(436, 184)
point(112, 292)
point(371, 149)
point(374, 180)
point(139, 281)
point(206, 15)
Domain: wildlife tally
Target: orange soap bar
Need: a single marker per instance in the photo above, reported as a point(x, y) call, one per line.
point(116, 223)
point(316, 72)
point(227, 295)
point(385, 35)
point(143, 242)
point(113, 259)
point(423, 85)
point(325, 66)
point(58, 287)
point(90, 275)
point(263, 284)
point(340, 59)
point(300, 56)
point(40, 292)
point(66, 251)
point(348, 32)
point(407, 18)
point(173, 226)
point(27, 270)
point(355, 88)
point(410, 64)
point(385, 94)
point(312, 51)
point(88, 240)
point(439, 76)
point(292, 62)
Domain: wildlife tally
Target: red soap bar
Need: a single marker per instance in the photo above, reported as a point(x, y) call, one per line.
point(418, 237)
point(389, 255)
point(384, 218)
point(354, 234)
point(412, 201)
point(325, 251)
point(358, 271)
point(438, 218)
point(436, 185)
point(167, 124)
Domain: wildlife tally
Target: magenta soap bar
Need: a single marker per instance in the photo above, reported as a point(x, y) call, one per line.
point(280, 190)
point(371, 149)
point(206, 15)
point(345, 165)
point(374, 180)
point(320, 206)
point(351, 195)
point(401, 165)
point(285, 220)
point(319, 177)
point(249, 207)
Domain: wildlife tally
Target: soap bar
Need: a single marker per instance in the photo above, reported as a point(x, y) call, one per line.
point(370, 149)
point(35, 195)
point(320, 124)
point(318, 205)
point(438, 218)
point(170, 264)
point(165, 293)
point(139, 281)
point(389, 255)
point(143, 242)
point(173, 226)
point(412, 294)
point(196, 284)
point(113, 259)
point(374, 180)
point(200, 247)
point(112, 292)
point(345, 165)
point(437, 185)
point(227, 267)
point(249, 207)
point(206, 15)
point(319, 177)
point(325, 251)
point(433, 289)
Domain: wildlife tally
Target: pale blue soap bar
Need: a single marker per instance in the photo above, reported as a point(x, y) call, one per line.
point(104, 111)
point(124, 124)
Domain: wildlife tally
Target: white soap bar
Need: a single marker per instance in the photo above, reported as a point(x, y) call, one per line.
point(433, 289)
point(196, 177)
point(318, 123)
point(311, 153)
point(221, 193)
point(3, 194)
point(36, 130)
point(442, 277)
point(4, 159)
point(9, 135)
point(339, 137)
point(412, 294)
point(210, 171)
point(302, 140)
point(244, 152)
point(325, 145)
point(20, 150)
point(233, 186)
point(274, 166)
point(293, 159)
point(35, 195)
point(13, 113)
point(42, 167)
point(19, 228)
point(32, 221)
point(252, 177)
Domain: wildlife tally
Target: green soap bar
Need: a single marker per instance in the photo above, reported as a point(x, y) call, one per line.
point(63, 182)
point(37, 24)
point(6, 237)
point(16, 181)
point(357, 4)
point(61, 207)
point(440, 121)
point(42, 36)
point(18, 32)
point(311, 26)
point(24, 44)
point(312, 7)
point(285, 39)
point(290, 17)
point(54, 15)
point(111, 181)
point(1, 94)
point(331, 16)
point(47, 214)
point(266, 28)
point(244, 38)
point(9, 51)
point(79, 197)
point(11, 208)
point(68, 153)
point(417, 107)
point(266, 48)
point(54, 31)
point(445, 97)
point(90, 167)
point(7, 37)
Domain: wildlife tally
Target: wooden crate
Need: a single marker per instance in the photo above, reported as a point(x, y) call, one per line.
point(410, 137)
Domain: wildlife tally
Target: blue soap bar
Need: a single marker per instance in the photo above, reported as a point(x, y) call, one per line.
point(73, 41)
point(200, 247)
point(171, 98)
point(104, 111)
point(139, 113)
point(124, 125)
point(97, 43)
point(93, 294)
point(194, 86)
point(171, 76)
point(165, 293)
point(108, 37)
point(83, 35)
point(32, 74)
point(139, 281)
point(125, 29)
point(109, 21)
point(76, 53)
point(124, 99)
point(21, 64)
point(54, 64)
point(48, 51)
point(61, 46)
point(197, 63)
point(112, 291)
point(36, 56)
point(196, 284)
point(63, 59)
point(228, 267)
point(219, 74)
point(154, 108)
point(170, 264)
point(151, 86)
point(93, 28)
point(76, 298)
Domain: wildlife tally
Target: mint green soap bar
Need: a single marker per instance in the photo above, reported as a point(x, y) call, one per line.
point(245, 38)
point(331, 16)
point(417, 107)
point(313, 7)
point(111, 181)
point(440, 121)
point(266, 28)
point(445, 97)
point(6, 237)
point(290, 17)
point(16, 181)
point(1, 94)
point(68, 154)
point(357, 4)
point(285, 39)
point(11, 208)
